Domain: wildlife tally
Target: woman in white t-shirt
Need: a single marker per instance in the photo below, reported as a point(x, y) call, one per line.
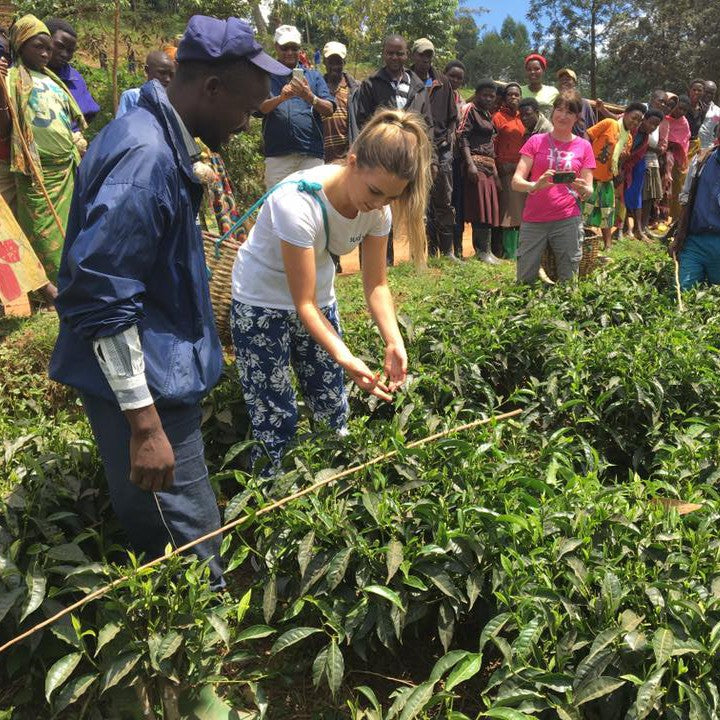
point(284, 312)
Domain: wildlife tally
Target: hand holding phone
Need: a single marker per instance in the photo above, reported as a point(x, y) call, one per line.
point(298, 74)
point(564, 178)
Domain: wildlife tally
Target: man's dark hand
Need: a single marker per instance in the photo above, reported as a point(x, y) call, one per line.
point(152, 461)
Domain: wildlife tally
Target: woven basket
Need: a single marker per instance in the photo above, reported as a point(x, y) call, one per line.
point(588, 262)
point(220, 271)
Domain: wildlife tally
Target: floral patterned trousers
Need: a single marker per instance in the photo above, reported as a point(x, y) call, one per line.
point(268, 343)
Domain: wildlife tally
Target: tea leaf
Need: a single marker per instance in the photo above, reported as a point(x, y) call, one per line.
point(106, 634)
point(492, 628)
point(305, 551)
point(36, 583)
point(663, 643)
point(169, 645)
point(446, 624)
point(394, 558)
point(335, 667)
point(118, 669)
point(442, 582)
point(648, 694)
point(417, 700)
point(291, 637)
point(464, 670)
point(254, 632)
point(446, 662)
point(385, 592)
point(8, 599)
point(269, 598)
point(319, 667)
point(371, 697)
point(60, 672)
point(220, 627)
point(505, 713)
point(243, 606)
point(338, 567)
point(596, 688)
point(74, 690)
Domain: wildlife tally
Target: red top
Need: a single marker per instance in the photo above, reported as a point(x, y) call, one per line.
point(510, 134)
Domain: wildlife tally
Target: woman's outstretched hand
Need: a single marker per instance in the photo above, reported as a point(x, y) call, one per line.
point(395, 366)
point(366, 380)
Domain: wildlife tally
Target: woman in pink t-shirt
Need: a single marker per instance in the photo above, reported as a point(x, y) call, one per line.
point(555, 169)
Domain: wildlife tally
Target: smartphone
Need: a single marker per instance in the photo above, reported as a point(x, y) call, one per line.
point(564, 178)
point(298, 74)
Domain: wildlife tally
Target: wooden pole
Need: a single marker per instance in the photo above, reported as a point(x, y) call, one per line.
point(678, 292)
point(262, 511)
point(116, 55)
point(26, 152)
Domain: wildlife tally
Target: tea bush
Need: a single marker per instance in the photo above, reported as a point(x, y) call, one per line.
point(539, 567)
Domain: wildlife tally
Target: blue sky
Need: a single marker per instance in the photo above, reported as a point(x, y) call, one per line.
point(499, 10)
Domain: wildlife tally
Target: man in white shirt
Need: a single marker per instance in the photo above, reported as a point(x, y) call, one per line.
point(712, 116)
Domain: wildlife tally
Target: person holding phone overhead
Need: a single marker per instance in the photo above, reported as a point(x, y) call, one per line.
point(294, 112)
point(555, 169)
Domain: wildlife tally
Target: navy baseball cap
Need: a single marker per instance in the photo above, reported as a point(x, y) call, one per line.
point(208, 39)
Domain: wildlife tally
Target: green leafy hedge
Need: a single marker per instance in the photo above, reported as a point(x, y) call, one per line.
point(534, 568)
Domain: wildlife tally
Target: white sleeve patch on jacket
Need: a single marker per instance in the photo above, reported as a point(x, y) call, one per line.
point(122, 362)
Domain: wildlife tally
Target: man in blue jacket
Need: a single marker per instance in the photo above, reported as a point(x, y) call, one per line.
point(293, 114)
point(137, 336)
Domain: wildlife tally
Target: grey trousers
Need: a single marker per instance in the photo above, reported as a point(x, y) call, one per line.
point(563, 236)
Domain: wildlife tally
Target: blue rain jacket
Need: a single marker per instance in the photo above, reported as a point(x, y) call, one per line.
point(134, 255)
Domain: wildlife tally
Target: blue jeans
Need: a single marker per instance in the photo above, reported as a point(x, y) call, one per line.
point(700, 261)
point(152, 520)
point(268, 343)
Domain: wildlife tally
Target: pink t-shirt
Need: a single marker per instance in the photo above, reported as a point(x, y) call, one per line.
point(556, 202)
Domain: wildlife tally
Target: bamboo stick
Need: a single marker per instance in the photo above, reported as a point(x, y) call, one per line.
point(677, 283)
point(262, 511)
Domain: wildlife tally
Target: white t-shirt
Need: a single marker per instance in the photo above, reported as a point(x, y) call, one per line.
point(258, 276)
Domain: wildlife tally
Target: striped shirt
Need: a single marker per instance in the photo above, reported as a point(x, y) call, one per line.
point(402, 90)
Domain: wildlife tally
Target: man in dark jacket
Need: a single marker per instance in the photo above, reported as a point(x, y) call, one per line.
point(137, 335)
point(441, 215)
point(392, 86)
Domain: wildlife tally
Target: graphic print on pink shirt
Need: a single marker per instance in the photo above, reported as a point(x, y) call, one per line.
point(556, 202)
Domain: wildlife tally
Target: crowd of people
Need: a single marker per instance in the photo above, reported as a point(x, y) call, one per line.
point(527, 166)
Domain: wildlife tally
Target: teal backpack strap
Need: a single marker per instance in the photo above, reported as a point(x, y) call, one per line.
point(311, 188)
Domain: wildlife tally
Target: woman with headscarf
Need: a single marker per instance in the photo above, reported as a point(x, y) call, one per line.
point(45, 112)
point(509, 139)
point(535, 66)
point(475, 138)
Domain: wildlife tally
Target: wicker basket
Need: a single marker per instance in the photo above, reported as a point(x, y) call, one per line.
point(588, 262)
point(220, 272)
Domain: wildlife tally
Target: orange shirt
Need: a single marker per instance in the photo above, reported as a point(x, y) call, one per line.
point(604, 137)
point(510, 136)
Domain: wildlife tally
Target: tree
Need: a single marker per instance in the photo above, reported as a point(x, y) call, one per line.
point(499, 55)
point(651, 48)
point(581, 24)
point(466, 34)
point(433, 19)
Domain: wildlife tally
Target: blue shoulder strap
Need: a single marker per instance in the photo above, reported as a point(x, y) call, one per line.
point(311, 188)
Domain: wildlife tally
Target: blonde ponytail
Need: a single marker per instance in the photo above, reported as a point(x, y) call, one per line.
point(398, 142)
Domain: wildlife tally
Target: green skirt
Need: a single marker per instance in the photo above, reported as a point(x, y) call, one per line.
point(599, 208)
point(35, 217)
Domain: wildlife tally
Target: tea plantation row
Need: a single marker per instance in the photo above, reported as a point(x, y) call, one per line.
point(538, 567)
